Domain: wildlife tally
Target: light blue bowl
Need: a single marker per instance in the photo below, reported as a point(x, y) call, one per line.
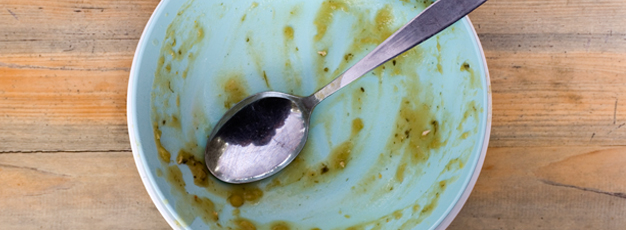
point(400, 148)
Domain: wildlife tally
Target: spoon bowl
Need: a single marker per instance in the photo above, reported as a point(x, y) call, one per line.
point(267, 122)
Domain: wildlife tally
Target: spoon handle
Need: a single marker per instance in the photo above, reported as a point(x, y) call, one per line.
point(431, 21)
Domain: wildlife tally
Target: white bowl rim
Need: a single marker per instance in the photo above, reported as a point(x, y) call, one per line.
point(479, 165)
point(158, 198)
point(148, 181)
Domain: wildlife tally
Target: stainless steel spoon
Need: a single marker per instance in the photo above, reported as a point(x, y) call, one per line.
point(263, 133)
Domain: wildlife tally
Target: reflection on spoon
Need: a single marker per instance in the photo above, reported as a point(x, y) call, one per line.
point(272, 125)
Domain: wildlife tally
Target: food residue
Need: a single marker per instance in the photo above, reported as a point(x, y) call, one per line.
point(235, 90)
point(289, 32)
point(245, 224)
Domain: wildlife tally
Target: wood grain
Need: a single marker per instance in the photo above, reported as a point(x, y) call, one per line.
point(83, 190)
point(64, 69)
point(557, 144)
point(557, 71)
point(548, 188)
point(558, 99)
point(550, 17)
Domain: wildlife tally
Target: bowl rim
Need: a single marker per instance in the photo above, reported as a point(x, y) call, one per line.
point(481, 159)
point(149, 183)
point(160, 201)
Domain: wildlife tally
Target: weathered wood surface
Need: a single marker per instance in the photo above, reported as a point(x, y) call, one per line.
point(74, 191)
point(548, 188)
point(558, 70)
point(64, 69)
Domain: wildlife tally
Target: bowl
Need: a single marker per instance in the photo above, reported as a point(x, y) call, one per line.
point(399, 148)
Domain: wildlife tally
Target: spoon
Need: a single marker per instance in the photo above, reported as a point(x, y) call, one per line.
point(263, 133)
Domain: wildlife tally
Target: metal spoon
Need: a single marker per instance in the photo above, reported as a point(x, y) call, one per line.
point(263, 133)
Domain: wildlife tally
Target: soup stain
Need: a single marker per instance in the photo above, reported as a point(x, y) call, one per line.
point(280, 225)
point(197, 167)
point(340, 155)
point(439, 66)
point(164, 155)
point(473, 77)
point(325, 16)
point(235, 90)
point(245, 224)
point(366, 35)
point(288, 33)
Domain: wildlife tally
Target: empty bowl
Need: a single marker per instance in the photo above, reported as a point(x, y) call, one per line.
point(400, 148)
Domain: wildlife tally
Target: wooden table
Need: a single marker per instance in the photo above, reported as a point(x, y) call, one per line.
point(556, 159)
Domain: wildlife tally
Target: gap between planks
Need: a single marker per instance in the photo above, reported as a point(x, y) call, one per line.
point(66, 151)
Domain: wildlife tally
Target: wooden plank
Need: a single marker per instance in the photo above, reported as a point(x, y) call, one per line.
point(551, 17)
point(64, 71)
point(84, 190)
point(49, 110)
point(38, 137)
point(82, 34)
point(556, 69)
point(60, 96)
point(546, 99)
point(610, 42)
point(548, 188)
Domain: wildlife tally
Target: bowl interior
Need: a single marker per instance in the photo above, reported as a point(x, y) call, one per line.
point(395, 149)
